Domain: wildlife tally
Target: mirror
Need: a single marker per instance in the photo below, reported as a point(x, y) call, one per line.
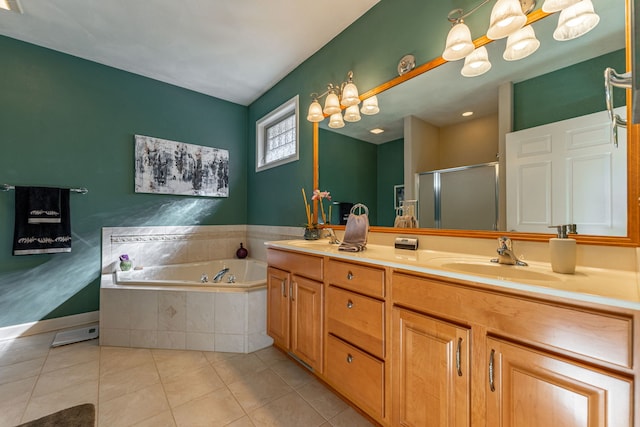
point(437, 97)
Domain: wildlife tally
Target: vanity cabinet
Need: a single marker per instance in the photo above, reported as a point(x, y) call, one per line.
point(530, 387)
point(355, 334)
point(526, 361)
point(431, 371)
point(415, 349)
point(295, 303)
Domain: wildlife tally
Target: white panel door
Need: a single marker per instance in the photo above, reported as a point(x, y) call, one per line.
point(568, 172)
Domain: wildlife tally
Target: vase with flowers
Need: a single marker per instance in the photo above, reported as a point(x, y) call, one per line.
point(312, 228)
point(125, 262)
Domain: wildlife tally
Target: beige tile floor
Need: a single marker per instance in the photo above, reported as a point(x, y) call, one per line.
point(144, 387)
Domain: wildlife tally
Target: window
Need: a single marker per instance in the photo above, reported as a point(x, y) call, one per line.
point(277, 136)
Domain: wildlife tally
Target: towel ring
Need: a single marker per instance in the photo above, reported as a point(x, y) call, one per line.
point(358, 208)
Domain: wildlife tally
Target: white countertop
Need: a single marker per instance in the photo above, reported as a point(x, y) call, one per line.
point(595, 285)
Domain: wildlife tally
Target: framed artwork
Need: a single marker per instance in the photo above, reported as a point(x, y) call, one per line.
point(398, 195)
point(171, 167)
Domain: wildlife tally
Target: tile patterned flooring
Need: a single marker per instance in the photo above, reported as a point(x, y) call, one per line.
point(150, 387)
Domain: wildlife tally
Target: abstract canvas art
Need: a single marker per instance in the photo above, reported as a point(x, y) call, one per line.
point(171, 167)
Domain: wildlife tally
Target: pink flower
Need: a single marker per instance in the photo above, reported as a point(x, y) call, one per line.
point(319, 195)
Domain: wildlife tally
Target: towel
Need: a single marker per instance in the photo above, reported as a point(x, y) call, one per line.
point(40, 238)
point(356, 230)
point(44, 205)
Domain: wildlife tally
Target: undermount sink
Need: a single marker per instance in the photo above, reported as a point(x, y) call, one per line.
point(499, 271)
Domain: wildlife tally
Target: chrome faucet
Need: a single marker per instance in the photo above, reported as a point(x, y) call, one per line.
point(505, 253)
point(218, 277)
point(204, 278)
point(333, 240)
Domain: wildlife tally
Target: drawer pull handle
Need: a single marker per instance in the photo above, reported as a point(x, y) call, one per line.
point(458, 356)
point(349, 358)
point(349, 304)
point(491, 361)
point(349, 276)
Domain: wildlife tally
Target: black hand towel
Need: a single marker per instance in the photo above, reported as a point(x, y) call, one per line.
point(44, 205)
point(43, 238)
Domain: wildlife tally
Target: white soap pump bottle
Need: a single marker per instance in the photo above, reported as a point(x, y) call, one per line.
point(563, 249)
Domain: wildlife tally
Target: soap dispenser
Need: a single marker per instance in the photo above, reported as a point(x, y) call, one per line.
point(563, 249)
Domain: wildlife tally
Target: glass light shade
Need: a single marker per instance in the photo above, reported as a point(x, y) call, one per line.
point(350, 95)
point(506, 18)
point(335, 121)
point(331, 104)
point(476, 63)
point(576, 21)
point(521, 44)
point(370, 106)
point(315, 112)
point(551, 6)
point(352, 114)
point(459, 43)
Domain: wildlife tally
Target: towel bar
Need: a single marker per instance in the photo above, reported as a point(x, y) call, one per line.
point(7, 187)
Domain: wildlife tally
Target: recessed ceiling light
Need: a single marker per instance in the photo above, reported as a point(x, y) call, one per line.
point(467, 114)
point(12, 5)
point(376, 131)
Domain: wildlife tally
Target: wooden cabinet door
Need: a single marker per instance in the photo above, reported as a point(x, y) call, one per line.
point(278, 306)
point(529, 388)
point(431, 378)
point(306, 321)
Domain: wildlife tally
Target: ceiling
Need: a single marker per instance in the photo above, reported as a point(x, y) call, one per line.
point(231, 49)
point(441, 95)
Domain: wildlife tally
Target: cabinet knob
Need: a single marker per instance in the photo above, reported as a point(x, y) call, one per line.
point(349, 358)
point(349, 304)
point(349, 276)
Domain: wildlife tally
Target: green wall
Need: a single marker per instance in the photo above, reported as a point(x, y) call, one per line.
point(353, 165)
point(566, 93)
point(69, 122)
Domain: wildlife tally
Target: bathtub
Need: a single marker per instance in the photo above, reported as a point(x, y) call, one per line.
point(245, 274)
point(169, 307)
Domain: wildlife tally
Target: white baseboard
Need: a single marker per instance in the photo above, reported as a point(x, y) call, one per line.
point(41, 326)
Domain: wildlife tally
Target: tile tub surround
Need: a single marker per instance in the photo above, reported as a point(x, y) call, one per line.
point(183, 319)
point(186, 320)
point(176, 245)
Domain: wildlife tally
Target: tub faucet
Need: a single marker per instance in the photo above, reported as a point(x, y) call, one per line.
point(505, 253)
point(204, 278)
point(218, 277)
point(333, 240)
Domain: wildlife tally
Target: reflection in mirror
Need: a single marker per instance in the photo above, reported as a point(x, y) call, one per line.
point(424, 129)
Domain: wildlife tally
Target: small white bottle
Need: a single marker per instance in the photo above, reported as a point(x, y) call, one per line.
point(563, 250)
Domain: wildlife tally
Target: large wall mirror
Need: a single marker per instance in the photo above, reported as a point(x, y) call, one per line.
point(358, 166)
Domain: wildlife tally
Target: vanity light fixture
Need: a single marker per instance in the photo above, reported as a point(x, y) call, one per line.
point(521, 44)
point(335, 121)
point(339, 96)
point(575, 21)
point(477, 63)
point(508, 19)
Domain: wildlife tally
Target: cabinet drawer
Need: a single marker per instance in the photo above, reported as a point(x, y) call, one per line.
point(360, 278)
point(301, 264)
point(357, 319)
point(357, 375)
point(599, 336)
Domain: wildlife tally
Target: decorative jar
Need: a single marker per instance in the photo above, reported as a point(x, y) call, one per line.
point(311, 233)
